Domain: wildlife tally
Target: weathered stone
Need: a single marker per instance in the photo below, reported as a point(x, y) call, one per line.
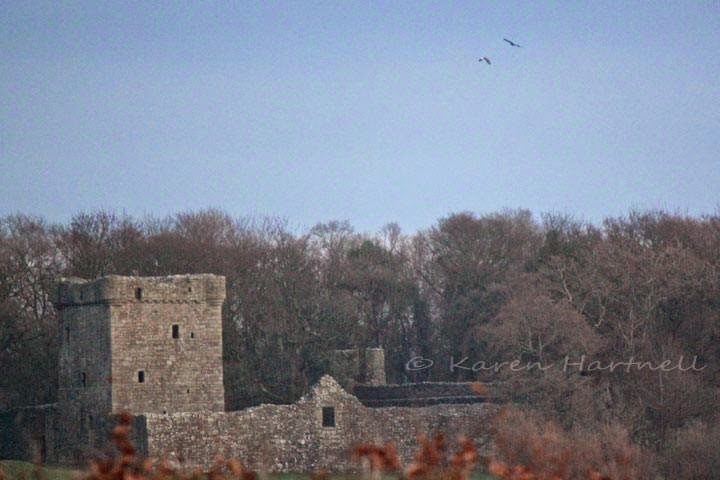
point(153, 347)
point(285, 438)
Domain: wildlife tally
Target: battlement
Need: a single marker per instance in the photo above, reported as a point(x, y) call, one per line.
point(118, 290)
point(140, 344)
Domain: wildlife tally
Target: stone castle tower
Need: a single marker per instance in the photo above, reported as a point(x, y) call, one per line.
point(139, 344)
point(153, 346)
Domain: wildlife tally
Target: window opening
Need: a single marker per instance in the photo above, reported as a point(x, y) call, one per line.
point(328, 416)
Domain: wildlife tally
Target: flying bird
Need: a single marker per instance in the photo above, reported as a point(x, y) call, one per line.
point(512, 44)
point(484, 59)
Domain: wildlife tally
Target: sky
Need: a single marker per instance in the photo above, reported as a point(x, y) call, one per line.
point(371, 112)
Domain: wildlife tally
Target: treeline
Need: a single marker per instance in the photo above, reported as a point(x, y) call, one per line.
point(492, 288)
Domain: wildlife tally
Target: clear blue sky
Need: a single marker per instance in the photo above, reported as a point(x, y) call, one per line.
point(367, 111)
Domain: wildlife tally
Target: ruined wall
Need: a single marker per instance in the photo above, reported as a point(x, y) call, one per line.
point(95, 441)
point(23, 433)
point(293, 438)
point(170, 329)
point(375, 366)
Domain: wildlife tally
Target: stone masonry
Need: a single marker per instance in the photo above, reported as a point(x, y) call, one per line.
point(143, 345)
point(293, 438)
point(153, 346)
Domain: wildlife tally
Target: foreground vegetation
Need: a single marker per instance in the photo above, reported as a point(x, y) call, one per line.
point(16, 470)
point(491, 289)
point(542, 455)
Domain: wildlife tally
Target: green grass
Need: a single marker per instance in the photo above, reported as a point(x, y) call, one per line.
point(16, 470)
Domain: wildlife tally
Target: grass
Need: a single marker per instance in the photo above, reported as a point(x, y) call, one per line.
point(16, 470)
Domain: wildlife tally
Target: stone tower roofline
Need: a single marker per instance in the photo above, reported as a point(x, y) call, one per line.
point(119, 290)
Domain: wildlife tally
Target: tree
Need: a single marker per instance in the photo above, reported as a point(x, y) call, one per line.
point(28, 324)
point(470, 259)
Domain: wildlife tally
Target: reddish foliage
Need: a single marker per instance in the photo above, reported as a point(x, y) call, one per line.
point(431, 461)
point(382, 459)
point(526, 448)
point(530, 448)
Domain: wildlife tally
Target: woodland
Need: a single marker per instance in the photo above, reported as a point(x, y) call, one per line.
point(491, 288)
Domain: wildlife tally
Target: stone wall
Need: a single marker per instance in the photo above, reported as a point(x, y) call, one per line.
point(95, 437)
point(375, 366)
point(43, 434)
point(23, 433)
point(292, 438)
point(84, 383)
point(141, 344)
point(116, 331)
point(85, 356)
point(153, 346)
point(173, 335)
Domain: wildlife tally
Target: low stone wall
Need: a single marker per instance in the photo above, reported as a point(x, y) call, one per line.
point(44, 434)
point(272, 438)
point(77, 443)
point(23, 432)
point(292, 438)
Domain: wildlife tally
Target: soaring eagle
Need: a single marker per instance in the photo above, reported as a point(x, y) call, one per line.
point(512, 44)
point(485, 59)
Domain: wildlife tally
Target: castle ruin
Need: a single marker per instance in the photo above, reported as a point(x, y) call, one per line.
point(153, 346)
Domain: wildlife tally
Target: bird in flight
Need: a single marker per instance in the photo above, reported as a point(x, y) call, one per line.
point(512, 44)
point(485, 59)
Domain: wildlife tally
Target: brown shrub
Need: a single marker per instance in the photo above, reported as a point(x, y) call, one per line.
point(529, 447)
point(431, 461)
point(380, 459)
